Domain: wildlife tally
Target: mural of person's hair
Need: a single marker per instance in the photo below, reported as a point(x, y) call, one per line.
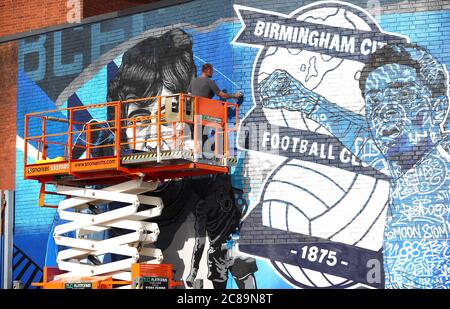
point(157, 62)
point(427, 66)
point(176, 61)
point(153, 63)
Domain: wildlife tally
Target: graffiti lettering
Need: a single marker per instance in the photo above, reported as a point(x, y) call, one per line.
point(428, 213)
point(425, 231)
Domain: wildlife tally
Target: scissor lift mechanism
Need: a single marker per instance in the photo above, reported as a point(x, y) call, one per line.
point(122, 177)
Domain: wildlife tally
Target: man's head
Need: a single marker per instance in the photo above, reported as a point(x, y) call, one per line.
point(156, 66)
point(207, 70)
point(405, 90)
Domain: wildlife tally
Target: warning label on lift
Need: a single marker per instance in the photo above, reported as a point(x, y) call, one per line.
point(78, 285)
point(154, 283)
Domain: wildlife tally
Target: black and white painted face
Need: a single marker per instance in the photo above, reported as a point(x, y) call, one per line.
point(146, 129)
point(398, 110)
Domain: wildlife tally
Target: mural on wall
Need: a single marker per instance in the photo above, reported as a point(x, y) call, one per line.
point(354, 118)
point(342, 178)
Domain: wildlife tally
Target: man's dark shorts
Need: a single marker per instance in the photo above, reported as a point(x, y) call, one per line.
point(220, 261)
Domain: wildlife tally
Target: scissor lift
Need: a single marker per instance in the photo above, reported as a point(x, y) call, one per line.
point(119, 159)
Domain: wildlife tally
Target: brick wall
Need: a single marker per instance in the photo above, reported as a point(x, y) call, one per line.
point(25, 15)
point(8, 90)
point(22, 15)
point(94, 7)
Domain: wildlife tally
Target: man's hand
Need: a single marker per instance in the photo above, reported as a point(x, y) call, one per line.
point(224, 95)
point(191, 278)
point(281, 90)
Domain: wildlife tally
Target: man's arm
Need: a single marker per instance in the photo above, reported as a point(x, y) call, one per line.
point(281, 90)
point(222, 94)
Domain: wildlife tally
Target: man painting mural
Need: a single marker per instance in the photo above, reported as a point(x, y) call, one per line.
point(204, 86)
point(406, 105)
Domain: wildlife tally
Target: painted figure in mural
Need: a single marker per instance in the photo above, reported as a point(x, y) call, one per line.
point(406, 107)
point(217, 216)
point(163, 66)
point(156, 66)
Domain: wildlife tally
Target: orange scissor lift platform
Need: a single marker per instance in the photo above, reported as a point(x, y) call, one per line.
point(125, 144)
point(180, 115)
